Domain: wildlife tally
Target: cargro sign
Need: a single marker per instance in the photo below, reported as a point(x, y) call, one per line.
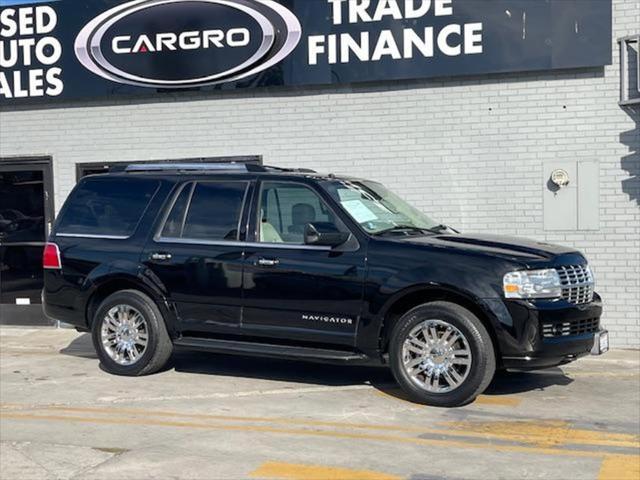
point(68, 49)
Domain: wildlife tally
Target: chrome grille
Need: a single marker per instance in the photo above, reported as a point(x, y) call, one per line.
point(577, 283)
point(565, 329)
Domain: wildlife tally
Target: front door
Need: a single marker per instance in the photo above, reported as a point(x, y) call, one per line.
point(197, 255)
point(26, 214)
point(298, 291)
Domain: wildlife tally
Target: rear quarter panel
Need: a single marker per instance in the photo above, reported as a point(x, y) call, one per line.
point(88, 263)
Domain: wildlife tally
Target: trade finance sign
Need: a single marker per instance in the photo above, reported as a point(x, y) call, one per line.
point(96, 48)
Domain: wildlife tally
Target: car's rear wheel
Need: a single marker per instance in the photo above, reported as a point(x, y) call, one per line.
point(129, 334)
point(441, 354)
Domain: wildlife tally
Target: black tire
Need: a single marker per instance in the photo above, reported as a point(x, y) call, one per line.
point(483, 363)
point(159, 346)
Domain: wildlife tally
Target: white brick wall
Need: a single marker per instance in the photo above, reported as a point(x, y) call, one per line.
point(468, 151)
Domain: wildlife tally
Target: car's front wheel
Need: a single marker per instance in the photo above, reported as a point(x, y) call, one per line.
point(129, 334)
point(441, 354)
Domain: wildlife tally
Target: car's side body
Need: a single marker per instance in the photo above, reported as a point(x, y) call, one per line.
point(343, 299)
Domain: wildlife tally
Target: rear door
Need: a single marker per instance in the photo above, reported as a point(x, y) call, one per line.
point(197, 254)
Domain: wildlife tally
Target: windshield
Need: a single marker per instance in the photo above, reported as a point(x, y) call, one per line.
point(375, 208)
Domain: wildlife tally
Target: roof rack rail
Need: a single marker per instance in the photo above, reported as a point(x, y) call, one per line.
point(187, 167)
point(209, 167)
point(267, 168)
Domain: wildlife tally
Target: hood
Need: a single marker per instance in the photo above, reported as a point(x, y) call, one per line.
point(514, 248)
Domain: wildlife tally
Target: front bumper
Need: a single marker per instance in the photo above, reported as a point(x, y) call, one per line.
point(549, 333)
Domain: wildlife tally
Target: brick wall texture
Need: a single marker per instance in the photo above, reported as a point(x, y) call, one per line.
point(468, 151)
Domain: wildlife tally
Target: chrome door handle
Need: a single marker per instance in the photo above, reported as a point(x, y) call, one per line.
point(268, 262)
point(160, 257)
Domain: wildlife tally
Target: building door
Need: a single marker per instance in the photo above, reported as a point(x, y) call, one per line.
point(26, 216)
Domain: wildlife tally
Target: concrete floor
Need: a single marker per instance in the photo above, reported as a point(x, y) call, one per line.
point(212, 416)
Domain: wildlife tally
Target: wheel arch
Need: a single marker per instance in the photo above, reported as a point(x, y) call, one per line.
point(410, 298)
point(113, 284)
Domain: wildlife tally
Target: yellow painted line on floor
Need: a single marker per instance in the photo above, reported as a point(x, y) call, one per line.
point(620, 467)
point(113, 420)
point(315, 472)
point(545, 433)
point(498, 400)
point(227, 418)
point(538, 433)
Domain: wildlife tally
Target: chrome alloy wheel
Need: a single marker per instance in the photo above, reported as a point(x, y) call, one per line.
point(436, 356)
point(124, 334)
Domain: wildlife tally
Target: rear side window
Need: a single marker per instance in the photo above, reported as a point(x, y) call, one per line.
point(107, 206)
point(213, 212)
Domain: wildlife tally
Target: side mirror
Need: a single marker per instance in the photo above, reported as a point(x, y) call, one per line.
point(324, 235)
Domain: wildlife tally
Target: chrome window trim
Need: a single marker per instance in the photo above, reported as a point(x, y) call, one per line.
point(88, 235)
point(222, 243)
point(194, 185)
point(247, 203)
point(169, 208)
point(243, 207)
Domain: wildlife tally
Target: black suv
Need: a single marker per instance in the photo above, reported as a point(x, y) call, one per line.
point(259, 260)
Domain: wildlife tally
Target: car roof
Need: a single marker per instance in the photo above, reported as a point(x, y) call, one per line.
point(190, 171)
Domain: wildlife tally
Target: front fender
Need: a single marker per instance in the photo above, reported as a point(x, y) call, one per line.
point(477, 281)
point(489, 307)
point(397, 273)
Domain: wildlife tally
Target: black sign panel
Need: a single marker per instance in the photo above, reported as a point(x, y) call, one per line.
point(67, 49)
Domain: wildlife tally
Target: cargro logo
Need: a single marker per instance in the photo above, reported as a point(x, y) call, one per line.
point(187, 43)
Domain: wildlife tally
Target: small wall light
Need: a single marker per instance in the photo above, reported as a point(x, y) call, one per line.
point(560, 178)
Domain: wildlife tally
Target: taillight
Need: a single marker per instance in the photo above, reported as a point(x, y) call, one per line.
point(51, 257)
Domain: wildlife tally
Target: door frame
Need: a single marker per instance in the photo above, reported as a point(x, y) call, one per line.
point(11, 314)
point(17, 163)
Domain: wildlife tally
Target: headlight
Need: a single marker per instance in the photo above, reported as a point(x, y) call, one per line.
point(532, 284)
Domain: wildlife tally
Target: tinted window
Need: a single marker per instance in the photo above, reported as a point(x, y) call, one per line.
point(285, 210)
point(214, 212)
point(107, 206)
point(175, 221)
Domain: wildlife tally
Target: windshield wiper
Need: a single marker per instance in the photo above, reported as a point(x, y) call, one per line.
point(401, 228)
point(441, 228)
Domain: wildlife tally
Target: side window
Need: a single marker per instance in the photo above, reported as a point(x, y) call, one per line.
point(285, 210)
point(106, 206)
point(214, 211)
